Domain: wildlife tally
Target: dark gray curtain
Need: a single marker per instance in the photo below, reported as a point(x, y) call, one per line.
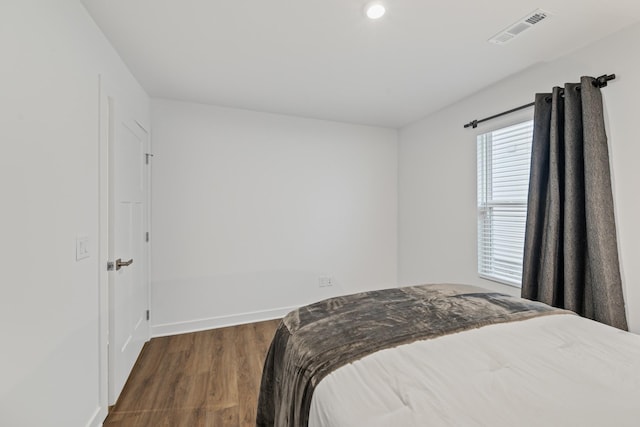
point(571, 251)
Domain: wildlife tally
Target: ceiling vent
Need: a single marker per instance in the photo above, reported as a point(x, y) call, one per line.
point(519, 27)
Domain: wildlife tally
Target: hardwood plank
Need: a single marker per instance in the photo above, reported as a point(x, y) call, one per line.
point(223, 370)
point(246, 381)
point(227, 417)
point(208, 378)
point(196, 417)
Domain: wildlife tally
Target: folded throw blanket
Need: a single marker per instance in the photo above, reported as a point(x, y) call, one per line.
point(314, 340)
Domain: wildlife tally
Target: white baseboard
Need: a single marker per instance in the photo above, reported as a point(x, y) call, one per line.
point(166, 329)
point(97, 418)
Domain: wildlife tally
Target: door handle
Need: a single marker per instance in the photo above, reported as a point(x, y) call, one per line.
point(120, 263)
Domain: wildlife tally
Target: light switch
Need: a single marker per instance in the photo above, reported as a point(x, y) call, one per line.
point(82, 247)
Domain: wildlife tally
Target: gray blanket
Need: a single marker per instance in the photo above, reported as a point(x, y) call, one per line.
point(313, 341)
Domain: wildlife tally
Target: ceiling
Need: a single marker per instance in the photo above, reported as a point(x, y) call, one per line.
point(324, 59)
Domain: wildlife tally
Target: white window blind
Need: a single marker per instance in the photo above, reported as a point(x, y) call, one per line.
point(504, 158)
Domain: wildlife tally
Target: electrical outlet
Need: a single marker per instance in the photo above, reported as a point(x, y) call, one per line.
point(325, 281)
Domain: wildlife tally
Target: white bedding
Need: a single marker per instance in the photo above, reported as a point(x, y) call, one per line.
point(558, 370)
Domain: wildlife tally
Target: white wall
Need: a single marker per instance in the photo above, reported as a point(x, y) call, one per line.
point(249, 209)
point(437, 167)
point(52, 54)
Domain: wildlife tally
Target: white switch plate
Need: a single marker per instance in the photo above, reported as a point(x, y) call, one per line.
point(82, 247)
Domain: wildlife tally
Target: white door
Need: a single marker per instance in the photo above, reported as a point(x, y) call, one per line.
point(128, 243)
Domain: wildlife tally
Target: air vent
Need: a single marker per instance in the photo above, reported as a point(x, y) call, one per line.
point(519, 27)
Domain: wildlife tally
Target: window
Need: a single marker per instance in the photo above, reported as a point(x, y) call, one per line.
point(504, 158)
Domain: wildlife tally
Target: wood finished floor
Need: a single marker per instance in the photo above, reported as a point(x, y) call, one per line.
point(208, 378)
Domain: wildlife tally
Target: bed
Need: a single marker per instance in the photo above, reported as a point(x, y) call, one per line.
point(447, 355)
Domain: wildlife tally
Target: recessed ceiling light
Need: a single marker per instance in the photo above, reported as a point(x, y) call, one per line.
point(375, 10)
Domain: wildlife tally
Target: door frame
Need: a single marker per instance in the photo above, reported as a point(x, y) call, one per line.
point(106, 91)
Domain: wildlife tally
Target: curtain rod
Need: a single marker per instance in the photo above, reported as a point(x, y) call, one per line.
point(598, 82)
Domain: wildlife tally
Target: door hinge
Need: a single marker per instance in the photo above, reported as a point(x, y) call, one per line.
point(146, 236)
point(147, 314)
point(147, 157)
point(110, 265)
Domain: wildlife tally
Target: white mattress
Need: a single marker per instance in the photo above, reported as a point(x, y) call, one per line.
point(558, 370)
